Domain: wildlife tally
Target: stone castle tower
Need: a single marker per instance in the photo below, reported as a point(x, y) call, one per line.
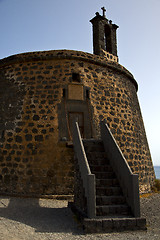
point(40, 95)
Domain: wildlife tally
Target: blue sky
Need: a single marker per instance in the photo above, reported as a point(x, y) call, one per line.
point(37, 25)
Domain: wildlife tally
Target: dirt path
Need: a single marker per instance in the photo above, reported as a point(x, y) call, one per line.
point(38, 219)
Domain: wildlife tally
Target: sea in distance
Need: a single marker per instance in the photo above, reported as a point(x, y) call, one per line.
point(157, 171)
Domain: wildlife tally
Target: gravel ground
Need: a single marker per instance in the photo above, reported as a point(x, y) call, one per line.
point(46, 219)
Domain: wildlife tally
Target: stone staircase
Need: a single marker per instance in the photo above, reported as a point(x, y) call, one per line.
point(112, 211)
point(109, 198)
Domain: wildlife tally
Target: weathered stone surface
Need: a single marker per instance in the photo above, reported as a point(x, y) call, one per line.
point(29, 120)
point(107, 225)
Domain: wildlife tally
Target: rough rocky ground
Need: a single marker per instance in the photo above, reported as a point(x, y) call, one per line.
point(46, 219)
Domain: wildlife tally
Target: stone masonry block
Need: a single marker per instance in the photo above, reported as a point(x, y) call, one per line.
point(99, 226)
point(141, 223)
point(119, 224)
point(89, 225)
point(131, 224)
point(107, 225)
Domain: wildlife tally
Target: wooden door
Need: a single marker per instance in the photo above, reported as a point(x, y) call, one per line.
point(79, 117)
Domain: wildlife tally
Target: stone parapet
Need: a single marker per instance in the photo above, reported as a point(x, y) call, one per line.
point(67, 54)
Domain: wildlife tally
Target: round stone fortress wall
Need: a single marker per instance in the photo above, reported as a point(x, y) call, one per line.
point(37, 91)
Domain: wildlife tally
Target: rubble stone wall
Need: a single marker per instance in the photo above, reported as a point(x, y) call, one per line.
point(33, 159)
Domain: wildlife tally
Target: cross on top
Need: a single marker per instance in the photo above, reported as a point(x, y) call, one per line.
point(104, 11)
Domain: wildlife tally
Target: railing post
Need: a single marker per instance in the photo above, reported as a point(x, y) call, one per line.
point(136, 203)
point(91, 206)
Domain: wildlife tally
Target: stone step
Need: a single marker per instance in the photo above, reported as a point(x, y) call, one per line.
point(104, 175)
point(106, 225)
point(96, 155)
point(93, 146)
point(107, 182)
point(110, 200)
point(94, 149)
point(98, 161)
point(92, 142)
point(102, 168)
point(108, 191)
point(106, 210)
